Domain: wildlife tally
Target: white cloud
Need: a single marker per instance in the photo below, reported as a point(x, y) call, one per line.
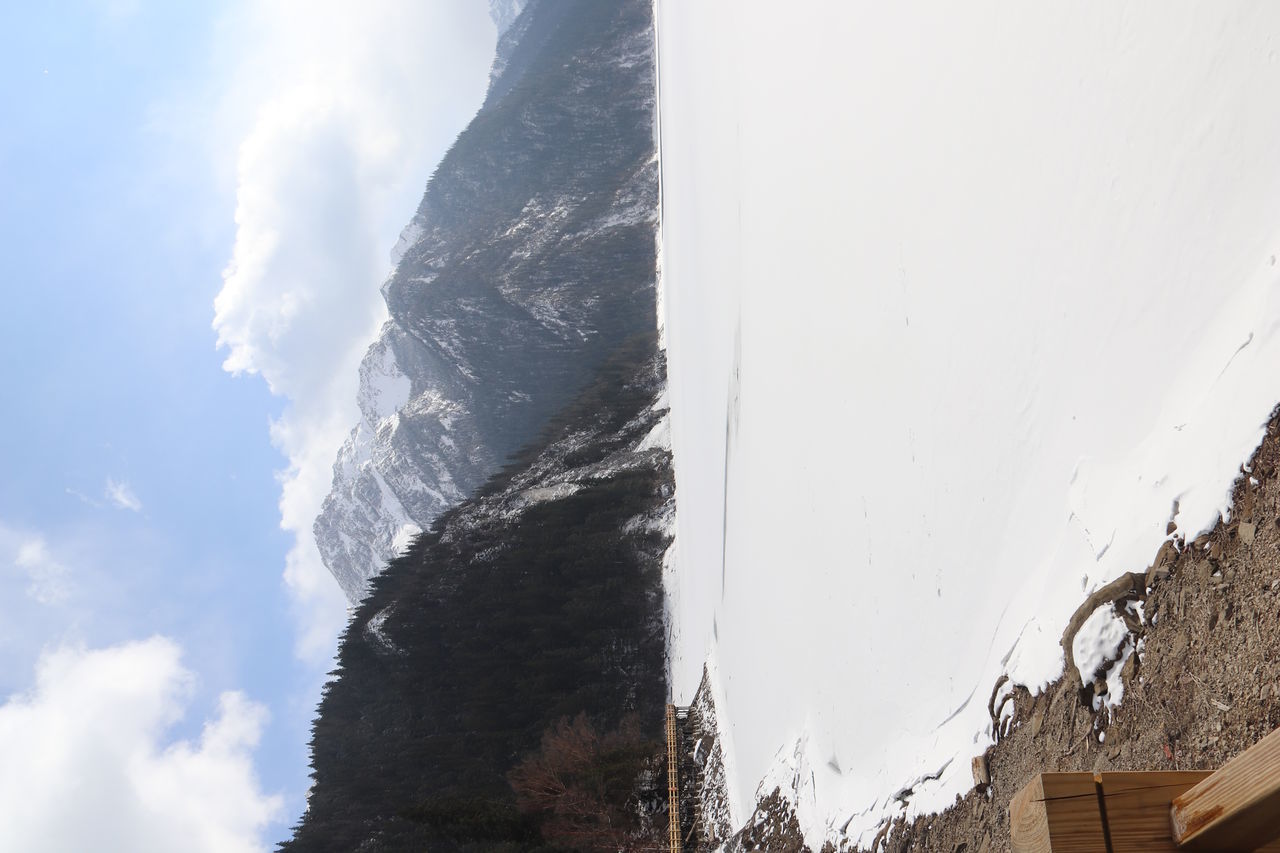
point(122, 496)
point(47, 579)
point(351, 108)
point(88, 765)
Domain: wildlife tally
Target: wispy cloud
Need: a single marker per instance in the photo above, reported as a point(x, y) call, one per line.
point(48, 581)
point(83, 498)
point(102, 718)
point(352, 108)
point(121, 496)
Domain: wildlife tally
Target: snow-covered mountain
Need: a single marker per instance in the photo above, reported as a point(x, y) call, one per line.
point(530, 258)
point(505, 12)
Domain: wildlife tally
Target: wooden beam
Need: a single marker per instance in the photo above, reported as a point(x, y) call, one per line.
point(1138, 807)
point(1063, 813)
point(1057, 813)
point(1236, 807)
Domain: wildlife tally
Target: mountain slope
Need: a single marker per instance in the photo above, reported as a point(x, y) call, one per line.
point(964, 323)
point(531, 256)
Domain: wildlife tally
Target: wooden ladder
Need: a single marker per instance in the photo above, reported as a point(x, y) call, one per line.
point(673, 781)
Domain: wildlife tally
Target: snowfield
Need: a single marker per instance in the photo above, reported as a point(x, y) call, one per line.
point(962, 305)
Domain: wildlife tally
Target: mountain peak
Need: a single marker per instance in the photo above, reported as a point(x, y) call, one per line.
point(505, 12)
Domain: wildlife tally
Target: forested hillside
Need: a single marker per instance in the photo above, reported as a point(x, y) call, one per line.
point(536, 602)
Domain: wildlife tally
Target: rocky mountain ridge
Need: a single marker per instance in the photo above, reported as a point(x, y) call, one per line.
point(505, 12)
point(530, 257)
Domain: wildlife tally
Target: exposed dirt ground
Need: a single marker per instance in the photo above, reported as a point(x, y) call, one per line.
point(1205, 687)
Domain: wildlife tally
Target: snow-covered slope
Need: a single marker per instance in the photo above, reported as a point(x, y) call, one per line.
point(964, 304)
point(530, 259)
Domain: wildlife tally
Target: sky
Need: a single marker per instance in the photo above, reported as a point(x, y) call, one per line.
point(197, 203)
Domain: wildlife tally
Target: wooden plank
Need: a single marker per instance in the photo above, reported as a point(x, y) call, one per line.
point(1057, 813)
point(1062, 813)
point(1138, 808)
point(1028, 820)
point(1236, 808)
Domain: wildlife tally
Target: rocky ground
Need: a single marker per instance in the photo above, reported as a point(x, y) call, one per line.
point(1204, 686)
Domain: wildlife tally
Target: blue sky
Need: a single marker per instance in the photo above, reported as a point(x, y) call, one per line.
point(152, 157)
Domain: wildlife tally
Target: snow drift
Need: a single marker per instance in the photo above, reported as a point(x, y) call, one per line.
point(963, 305)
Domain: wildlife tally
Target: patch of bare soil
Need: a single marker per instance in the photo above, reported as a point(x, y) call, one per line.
point(772, 827)
point(1204, 687)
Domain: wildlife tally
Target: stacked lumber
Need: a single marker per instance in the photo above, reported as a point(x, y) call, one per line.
point(1235, 808)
